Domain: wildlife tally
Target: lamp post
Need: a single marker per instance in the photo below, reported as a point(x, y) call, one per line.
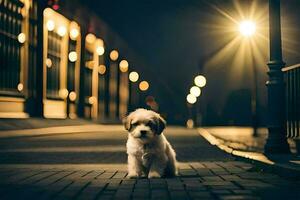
point(247, 28)
point(276, 141)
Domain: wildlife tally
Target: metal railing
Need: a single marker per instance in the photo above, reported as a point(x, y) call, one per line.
point(292, 91)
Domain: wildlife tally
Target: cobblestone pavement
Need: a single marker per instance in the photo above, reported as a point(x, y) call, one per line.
point(204, 171)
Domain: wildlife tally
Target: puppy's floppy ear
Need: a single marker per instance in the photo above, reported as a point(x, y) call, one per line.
point(127, 123)
point(161, 125)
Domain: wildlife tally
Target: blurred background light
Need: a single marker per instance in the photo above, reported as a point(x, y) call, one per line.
point(100, 50)
point(102, 69)
point(50, 25)
point(247, 28)
point(133, 76)
point(22, 38)
point(123, 66)
point(20, 87)
point(72, 56)
point(114, 55)
point(74, 33)
point(144, 85)
point(63, 93)
point(61, 31)
point(200, 81)
point(190, 123)
point(92, 100)
point(191, 99)
point(196, 91)
point(90, 38)
point(72, 96)
point(48, 62)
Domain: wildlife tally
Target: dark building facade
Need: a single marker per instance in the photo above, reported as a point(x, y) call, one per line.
point(60, 61)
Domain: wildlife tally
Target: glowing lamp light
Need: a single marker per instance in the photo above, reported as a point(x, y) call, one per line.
point(63, 93)
point(90, 38)
point(114, 55)
point(92, 100)
point(61, 31)
point(72, 56)
point(48, 62)
point(50, 25)
point(101, 69)
point(72, 96)
point(196, 91)
point(191, 99)
point(200, 81)
point(144, 85)
point(100, 50)
point(74, 33)
point(20, 87)
point(247, 28)
point(133, 76)
point(190, 123)
point(22, 38)
point(123, 66)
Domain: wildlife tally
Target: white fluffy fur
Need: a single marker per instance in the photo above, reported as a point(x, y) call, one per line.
point(150, 154)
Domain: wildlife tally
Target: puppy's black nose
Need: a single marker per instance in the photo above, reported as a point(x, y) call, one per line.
point(143, 133)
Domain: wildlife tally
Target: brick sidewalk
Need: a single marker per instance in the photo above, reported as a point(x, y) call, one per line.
point(200, 180)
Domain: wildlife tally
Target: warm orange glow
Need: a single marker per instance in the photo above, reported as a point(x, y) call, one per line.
point(48, 62)
point(123, 66)
point(191, 99)
point(22, 38)
point(114, 55)
point(144, 85)
point(63, 93)
point(90, 38)
point(190, 123)
point(61, 31)
point(50, 25)
point(100, 50)
point(72, 56)
point(133, 76)
point(92, 100)
point(196, 91)
point(200, 81)
point(74, 30)
point(102, 69)
point(20, 87)
point(72, 96)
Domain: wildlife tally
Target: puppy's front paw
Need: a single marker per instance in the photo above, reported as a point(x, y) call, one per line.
point(154, 175)
point(133, 175)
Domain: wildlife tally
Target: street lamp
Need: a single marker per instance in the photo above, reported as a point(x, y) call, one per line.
point(200, 81)
point(247, 28)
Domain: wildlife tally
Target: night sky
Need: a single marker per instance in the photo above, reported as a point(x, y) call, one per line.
point(178, 39)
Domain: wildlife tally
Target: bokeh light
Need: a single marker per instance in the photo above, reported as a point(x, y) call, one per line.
point(191, 99)
point(50, 25)
point(48, 62)
point(133, 76)
point(102, 69)
point(114, 55)
point(190, 123)
point(123, 66)
point(61, 31)
point(144, 85)
point(72, 96)
point(72, 56)
point(74, 33)
point(22, 38)
point(90, 38)
point(196, 91)
point(200, 81)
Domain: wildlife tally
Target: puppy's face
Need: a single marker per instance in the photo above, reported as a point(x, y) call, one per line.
point(144, 125)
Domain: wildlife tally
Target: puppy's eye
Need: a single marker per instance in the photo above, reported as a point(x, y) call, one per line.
point(150, 124)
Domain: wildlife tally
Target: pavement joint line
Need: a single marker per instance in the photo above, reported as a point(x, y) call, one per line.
point(254, 157)
point(58, 130)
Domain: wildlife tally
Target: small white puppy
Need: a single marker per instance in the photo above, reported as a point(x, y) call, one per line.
point(149, 152)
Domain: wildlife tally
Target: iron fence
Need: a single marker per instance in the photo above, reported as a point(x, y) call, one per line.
point(292, 80)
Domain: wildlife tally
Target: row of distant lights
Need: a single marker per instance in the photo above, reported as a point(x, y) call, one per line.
point(195, 91)
point(91, 39)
